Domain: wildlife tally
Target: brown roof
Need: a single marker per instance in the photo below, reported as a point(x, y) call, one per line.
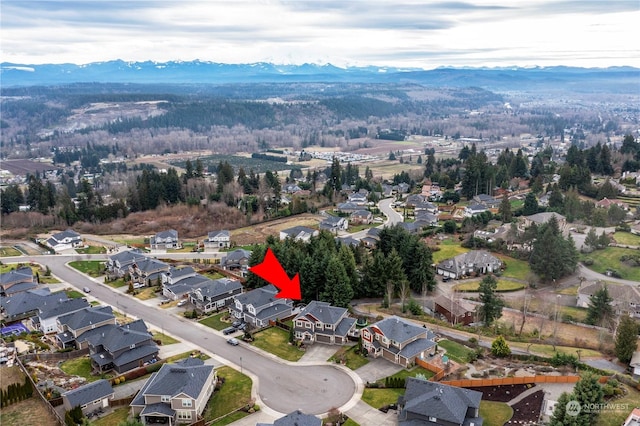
point(456, 307)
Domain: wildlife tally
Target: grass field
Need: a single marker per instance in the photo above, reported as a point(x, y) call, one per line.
point(448, 248)
point(164, 339)
point(74, 294)
point(119, 416)
point(503, 285)
point(146, 293)
point(213, 275)
point(79, 367)
point(457, 352)
point(627, 238)
point(380, 397)
point(276, 341)
point(120, 282)
point(515, 268)
point(352, 360)
point(9, 251)
point(547, 350)
point(609, 258)
point(234, 393)
point(93, 268)
point(92, 250)
point(495, 413)
point(215, 321)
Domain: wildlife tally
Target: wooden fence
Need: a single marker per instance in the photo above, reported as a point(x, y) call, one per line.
point(47, 405)
point(55, 356)
point(439, 372)
point(120, 402)
point(469, 383)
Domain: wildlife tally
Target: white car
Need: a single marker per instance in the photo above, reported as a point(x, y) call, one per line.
point(182, 303)
point(86, 290)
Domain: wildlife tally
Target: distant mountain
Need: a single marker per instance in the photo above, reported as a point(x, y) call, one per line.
point(616, 79)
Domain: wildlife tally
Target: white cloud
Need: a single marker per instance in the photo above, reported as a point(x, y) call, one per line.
point(355, 32)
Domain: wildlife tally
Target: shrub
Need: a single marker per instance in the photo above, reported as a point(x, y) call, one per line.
point(588, 261)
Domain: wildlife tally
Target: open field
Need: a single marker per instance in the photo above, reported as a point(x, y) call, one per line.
point(609, 258)
point(256, 234)
point(448, 248)
point(93, 268)
point(31, 411)
point(9, 251)
point(627, 238)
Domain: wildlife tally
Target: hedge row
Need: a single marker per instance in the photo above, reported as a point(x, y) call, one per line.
point(16, 392)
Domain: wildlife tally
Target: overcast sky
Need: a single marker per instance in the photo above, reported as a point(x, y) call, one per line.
point(405, 33)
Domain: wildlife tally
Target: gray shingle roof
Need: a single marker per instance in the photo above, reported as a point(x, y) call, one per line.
point(69, 233)
point(235, 256)
point(443, 402)
point(258, 297)
point(115, 337)
point(30, 300)
point(88, 393)
point(416, 347)
point(19, 288)
point(139, 352)
point(61, 307)
point(322, 311)
point(86, 317)
point(298, 418)
point(170, 233)
point(148, 264)
point(24, 274)
point(297, 231)
point(127, 257)
point(219, 234)
point(159, 408)
point(174, 379)
point(214, 288)
point(398, 329)
point(176, 273)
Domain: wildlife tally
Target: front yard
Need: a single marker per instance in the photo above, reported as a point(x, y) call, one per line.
point(503, 286)
point(351, 358)
point(215, 321)
point(276, 341)
point(380, 397)
point(93, 268)
point(235, 393)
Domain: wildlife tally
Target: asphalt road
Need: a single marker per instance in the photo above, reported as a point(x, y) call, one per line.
point(283, 387)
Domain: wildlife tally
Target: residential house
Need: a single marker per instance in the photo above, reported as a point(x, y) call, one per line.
point(71, 326)
point(427, 207)
point(212, 295)
point(426, 219)
point(290, 188)
point(177, 393)
point(295, 418)
point(635, 364)
point(26, 304)
point(46, 320)
point(165, 240)
point(372, 238)
point(363, 217)
point(119, 347)
point(474, 210)
point(357, 198)
point(625, 298)
point(412, 227)
point(17, 281)
point(414, 200)
point(299, 233)
point(398, 340)
point(542, 218)
point(487, 200)
point(64, 240)
point(606, 203)
point(89, 397)
point(431, 403)
point(403, 187)
point(146, 272)
point(455, 311)
point(635, 228)
point(323, 323)
point(348, 241)
point(218, 239)
point(348, 207)
point(236, 261)
point(633, 419)
point(118, 264)
point(471, 262)
point(183, 288)
point(258, 306)
point(175, 274)
point(334, 224)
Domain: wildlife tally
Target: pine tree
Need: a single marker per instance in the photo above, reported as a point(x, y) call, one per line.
point(587, 392)
point(505, 209)
point(500, 348)
point(599, 310)
point(560, 416)
point(492, 303)
point(626, 339)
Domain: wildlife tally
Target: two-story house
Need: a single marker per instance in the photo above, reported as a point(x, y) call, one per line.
point(89, 397)
point(236, 261)
point(334, 224)
point(295, 418)
point(542, 218)
point(118, 264)
point(432, 403)
point(64, 240)
point(71, 326)
point(299, 233)
point(175, 394)
point(625, 299)
point(474, 210)
point(17, 281)
point(323, 323)
point(46, 320)
point(213, 295)
point(348, 207)
point(147, 271)
point(257, 307)
point(455, 311)
point(27, 304)
point(487, 200)
point(165, 240)
point(119, 347)
point(357, 198)
point(361, 217)
point(184, 287)
point(218, 239)
point(398, 340)
point(474, 261)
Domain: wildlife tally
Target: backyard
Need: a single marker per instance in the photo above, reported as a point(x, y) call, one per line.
point(276, 341)
point(495, 413)
point(351, 358)
point(79, 367)
point(235, 393)
point(457, 352)
point(626, 238)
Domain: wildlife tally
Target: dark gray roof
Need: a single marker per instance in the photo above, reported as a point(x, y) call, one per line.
point(544, 217)
point(214, 234)
point(30, 300)
point(322, 311)
point(148, 264)
point(86, 317)
point(373, 232)
point(88, 393)
point(398, 329)
point(127, 257)
point(417, 346)
point(170, 233)
point(298, 418)
point(69, 233)
point(344, 326)
point(174, 379)
point(19, 288)
point(361, 213)
point(176, 273)
point(476, 207)
point(278, 310)
point(475, 257)
point(17, 275)
point(159, 408)
point(61, 307)
point(138, 400)
point(235, 256)
point(444, 402)
point(258, 297)
point(348, 206)
point(214, 288)
point(139, 352)
point(297, 230)
point(114, 337)
point(348, 241)
point(333, 220)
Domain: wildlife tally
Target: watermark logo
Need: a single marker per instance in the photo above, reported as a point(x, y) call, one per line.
point(573, 408)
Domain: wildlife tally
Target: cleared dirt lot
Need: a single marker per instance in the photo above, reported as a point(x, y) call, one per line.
point(259, 232)
point(29, 412)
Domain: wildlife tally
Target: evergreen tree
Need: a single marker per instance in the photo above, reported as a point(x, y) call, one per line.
point(338, 289)
point(500, 348)
point(587, 392)
point(626, 339)
point(492, 304)
point(505, 209)
point(591, 240)
point(552, 255)
point(600, 310)
point(560, 416)
point(530, 205)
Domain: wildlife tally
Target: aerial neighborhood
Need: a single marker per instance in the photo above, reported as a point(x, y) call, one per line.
point(318, 253)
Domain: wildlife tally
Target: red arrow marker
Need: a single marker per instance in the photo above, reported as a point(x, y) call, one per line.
point(272, 271)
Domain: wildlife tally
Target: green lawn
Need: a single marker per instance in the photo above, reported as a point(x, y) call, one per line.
point(92, 250)
point(457, 352)
point(166, 340)
point(413, 372)
point(547, 350)
point(215, 321)
point(146, 293)
point(213, 275)
point(74, 294)
point(120, 415)
point(448, 248)
point(79, 367)
point(9, 251)
point(353, 360)
point(617, 417)
point(234, 393)
point(93, 268)
point(380, 397)
point(609, 258)
point(627, 238)
point(503, 285)
point(350, 422)
point(573, 313)
point(184, 355)
point(276, 341)
point(495, 413)
point(120, 282)
point(515, 268)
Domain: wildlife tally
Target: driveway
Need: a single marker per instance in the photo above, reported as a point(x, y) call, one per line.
point(318, 353)
point(604, 364)
point(377, 368)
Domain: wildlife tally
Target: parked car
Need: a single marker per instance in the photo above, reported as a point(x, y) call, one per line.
point(236, 324)
point(229, 330)
point(242, 327)
point(233, 341)
point(86, 290)
point(182, 302)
